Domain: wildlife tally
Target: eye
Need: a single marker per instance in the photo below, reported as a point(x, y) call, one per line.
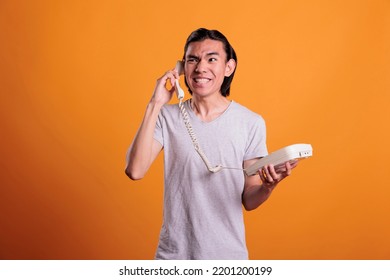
point(191, 60)
point(212, 59)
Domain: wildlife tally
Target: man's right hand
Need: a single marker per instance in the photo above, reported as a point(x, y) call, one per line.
point(162, 94)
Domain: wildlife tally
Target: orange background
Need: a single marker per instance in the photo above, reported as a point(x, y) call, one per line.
point(75, 78)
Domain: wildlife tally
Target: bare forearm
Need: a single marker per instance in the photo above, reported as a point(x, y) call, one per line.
point(144, 148)
point(256, 195)
point(142, 151)
point(257, 189)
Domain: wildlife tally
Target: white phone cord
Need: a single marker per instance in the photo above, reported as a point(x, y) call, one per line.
point(197, 147)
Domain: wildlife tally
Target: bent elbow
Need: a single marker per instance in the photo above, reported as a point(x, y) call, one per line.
point(249, 208)
point(133, 175)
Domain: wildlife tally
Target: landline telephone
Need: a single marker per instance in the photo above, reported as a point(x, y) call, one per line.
point(288, 153)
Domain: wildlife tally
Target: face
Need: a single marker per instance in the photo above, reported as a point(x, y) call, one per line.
point(206, 67)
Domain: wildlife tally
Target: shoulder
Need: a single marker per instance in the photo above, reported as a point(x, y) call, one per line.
point(170, 114)
point(169, 111)
point(169, 108)
point(246, 114)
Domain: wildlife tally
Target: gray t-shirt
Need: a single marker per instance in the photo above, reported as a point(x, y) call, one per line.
point(203, 213)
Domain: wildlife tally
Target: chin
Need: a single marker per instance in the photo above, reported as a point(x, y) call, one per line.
point(203, 91)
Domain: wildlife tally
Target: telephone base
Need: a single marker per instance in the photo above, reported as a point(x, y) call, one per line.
point(295, 151)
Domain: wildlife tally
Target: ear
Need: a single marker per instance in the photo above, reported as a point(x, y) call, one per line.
point(230, 67)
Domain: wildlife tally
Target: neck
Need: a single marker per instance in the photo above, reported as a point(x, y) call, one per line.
point(210, 107)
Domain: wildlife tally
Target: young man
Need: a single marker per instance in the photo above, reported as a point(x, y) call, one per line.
point(203, 215)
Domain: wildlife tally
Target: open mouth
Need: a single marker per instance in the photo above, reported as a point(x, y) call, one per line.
point(201, 80)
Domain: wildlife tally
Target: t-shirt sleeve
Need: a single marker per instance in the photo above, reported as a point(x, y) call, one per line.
point(256, 146)
point(158, 130)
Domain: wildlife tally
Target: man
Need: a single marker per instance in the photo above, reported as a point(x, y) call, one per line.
point(203, 215)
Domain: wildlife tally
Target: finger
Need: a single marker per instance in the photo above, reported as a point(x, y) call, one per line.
point(294, 163)
point(268, 175)
point(280, 168)
point(288, 169)
point(273, 173)
point(170, 77)
point(172, 90)
point(261, 174)
point(176, 74)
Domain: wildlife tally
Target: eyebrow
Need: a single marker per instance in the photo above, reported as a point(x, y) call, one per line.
point(212, 53)
point(197, 57)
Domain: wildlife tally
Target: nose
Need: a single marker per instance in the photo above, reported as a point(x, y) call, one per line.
point(201, 66)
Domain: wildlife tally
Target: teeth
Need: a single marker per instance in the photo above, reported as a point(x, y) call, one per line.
point(201, 81)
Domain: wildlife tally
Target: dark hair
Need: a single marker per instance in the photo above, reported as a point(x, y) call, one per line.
point(202, 34)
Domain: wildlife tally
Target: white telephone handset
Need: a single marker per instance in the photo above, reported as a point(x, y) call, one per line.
point(296, 151)
point(180, 69)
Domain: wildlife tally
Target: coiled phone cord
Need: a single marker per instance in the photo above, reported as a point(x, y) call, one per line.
point(197, 147)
